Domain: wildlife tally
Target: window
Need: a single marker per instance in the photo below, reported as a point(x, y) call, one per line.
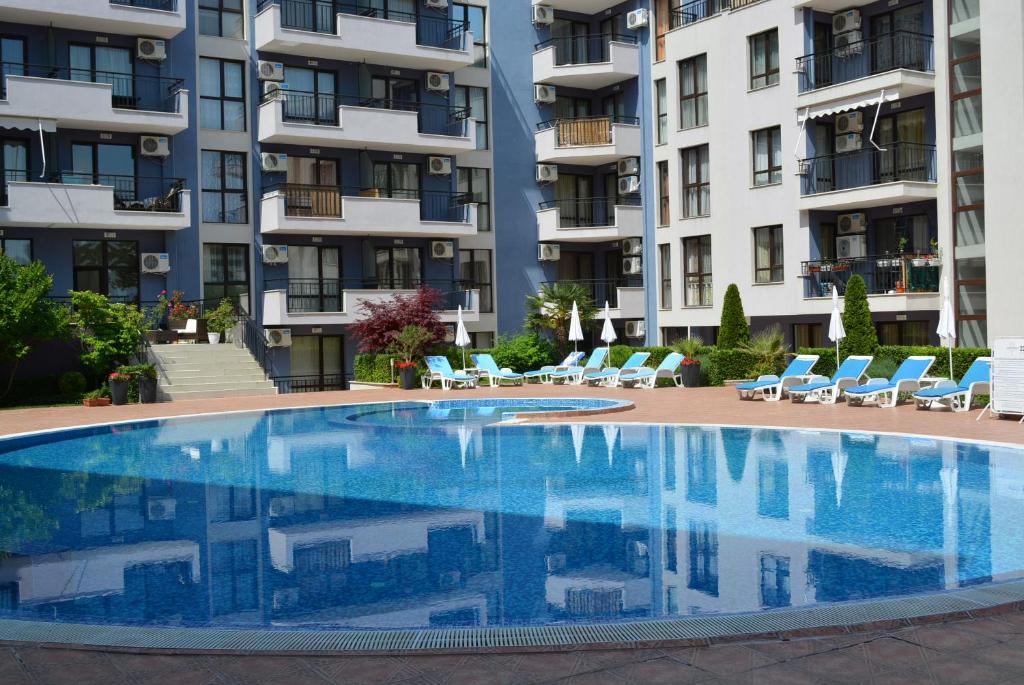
point(103, 64)
point(104, 164)
point(222, 94)
point(693, 92)
point(697, 270)
point(475, 100)
point(226, 273)
point(476, 19)
point(233, 567)
point(775, 591)
point(696, 182)
point(703, 575)
point(808, 335)
point(903, 333)
point(12, 60)
point(221, 18)
point(477, 182)
point(225, 200)
point(662, 104)
point(399, 180)
point(665, 264)
point(311, 96)
point(314, 278)
point(398, 268)
point(18, 249)
point(475, 273)
point(108, 267)
point(764, 59)
point(664, 204)
point(316, 363)
point(768, 256)
point(767, 156)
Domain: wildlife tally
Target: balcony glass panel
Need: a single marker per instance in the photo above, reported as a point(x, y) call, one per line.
point(857, 59)
point(896, 162)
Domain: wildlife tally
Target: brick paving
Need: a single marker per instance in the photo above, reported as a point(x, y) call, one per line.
point(972, 650)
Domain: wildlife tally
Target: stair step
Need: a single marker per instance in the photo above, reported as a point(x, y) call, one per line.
point(207, 384)
point(214, 394)
point(254, 370)
point(209, 371)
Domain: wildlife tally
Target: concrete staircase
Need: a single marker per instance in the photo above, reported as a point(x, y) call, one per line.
point(189, 372)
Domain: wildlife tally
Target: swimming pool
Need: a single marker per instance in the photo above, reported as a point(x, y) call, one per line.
point(317, 519)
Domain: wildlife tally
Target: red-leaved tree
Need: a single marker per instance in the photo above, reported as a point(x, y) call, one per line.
point(382, 321)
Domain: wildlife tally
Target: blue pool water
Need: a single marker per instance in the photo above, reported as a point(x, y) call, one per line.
point(405, 516)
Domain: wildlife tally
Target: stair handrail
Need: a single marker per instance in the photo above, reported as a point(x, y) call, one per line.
point(249, 334)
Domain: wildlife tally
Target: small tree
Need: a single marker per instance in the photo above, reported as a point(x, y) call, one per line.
point(383, 321)
point(410, 343)
point(110, 333)
point(861, 337)
point(768, 349)
point(733, 330)
point(27, 317)
point(550, 310)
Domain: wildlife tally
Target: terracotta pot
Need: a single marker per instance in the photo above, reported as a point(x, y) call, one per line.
point(97, 402)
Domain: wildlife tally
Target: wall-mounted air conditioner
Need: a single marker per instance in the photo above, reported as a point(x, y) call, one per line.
point(848, 44)
point(548, 253)
point(442, 249)
point(629, 185)
point(851, 142)
point(855, 222)
point(275, 254)
point(279, 337)
point(851, 122)
point(635, 329)
point(154, 146)
point(845, 21)
point(632, 266)
point(438, 82)
point(638, 19)
point(439, 166)
point(543, 15)
point(273, 161)
point(851, 246)
point(270, 71)
point(543, 94)
point(632, 246)
point(547, 173)
point(630, 166)
point(152, 49)
point(156, 263)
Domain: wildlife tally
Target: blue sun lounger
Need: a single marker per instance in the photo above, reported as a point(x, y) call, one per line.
point(439, 369)
point(488, 368)
point(543, 374)
point(772, 387)
point(886, 391)
point(575, 374)
point(647, 377)
point(827, 390)
point(610, 377)
point(958, 396)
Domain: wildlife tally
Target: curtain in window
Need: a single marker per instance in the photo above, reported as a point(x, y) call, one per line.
point(305, 354)
point(762, 254)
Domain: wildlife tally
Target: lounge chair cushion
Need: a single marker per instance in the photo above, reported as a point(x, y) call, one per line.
point(811, 387)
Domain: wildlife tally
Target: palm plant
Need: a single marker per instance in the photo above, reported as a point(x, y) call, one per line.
point(768, 350)
point(689, 347)
point(549, 310)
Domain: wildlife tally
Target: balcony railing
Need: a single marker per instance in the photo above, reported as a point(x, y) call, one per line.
point(130, 91)
point(321, 16)
point(885, 274)
point(165, 5)
point(326, 201)
point(131, 193)
point(696, 10)
point(591, 49)
point(319, 295)
point(603, 290)
point(896, 50)
point(589, 212)
point(843, 171)
point(322, 109)
point(287, 385)
point(581, 131)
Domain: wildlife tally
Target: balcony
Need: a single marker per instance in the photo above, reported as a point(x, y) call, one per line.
point(297, 118)
point(110, 202)
point(318, 302)
point(830, 6)
point(93, 100)
point(590, 220)
point(901, 63)
point(697, 10)
point(624, 295)
point(330, 210)
point(900, 173)
point(352, 32)
point(588, 140)
point(590, 62)
point(156, 18)
point(906, 282)
point(579, 6)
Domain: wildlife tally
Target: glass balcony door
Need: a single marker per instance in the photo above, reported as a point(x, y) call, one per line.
point(399, 180)
point(311, 96)
point(903, 138)
point(104, 164)
point(894, 46)
point(575, 200)
point(103, 64)
point(314, 279)
point(398, 268)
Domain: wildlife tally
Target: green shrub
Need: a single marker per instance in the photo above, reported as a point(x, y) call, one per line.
point(861, 337)
point(962, 357)
point(734, 329)
point(826, 365)
point(373, 368)
point(768, 348)
point(523, 352)
point(110, 333)
point(882, 367)
point(724, 365)
point(71, 383)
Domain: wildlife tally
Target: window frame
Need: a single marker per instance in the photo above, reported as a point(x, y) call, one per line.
point(665, 275)
point(476, 282)
point(222, 98)
point(661, 111)
point(478, 41)
point(769, 73)
point(222, 190)
point(693, 100)
point(774, 134)
point(703, 275)
point(225, 284)
point(700, 185)
point(484, 206)
point(104, 268)
point(664, 194)
point(218, 7)
point(31, 248)
point(776, 238)
point(466, 92)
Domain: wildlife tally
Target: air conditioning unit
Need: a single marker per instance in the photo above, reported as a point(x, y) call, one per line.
point(549, 253)
point(442, 249)
point(547, 173)
point(632, 246)
point(632, 266)
point(156, 262)
point(279, 337)
point(270, 71)
point(629, 185)
point(555, 563)
point(845, 21)
point(286, 598)
point(851, 142)
point(275, 254)
point(851, 122)
point(154, 146)
point(274, 90)
point(852, 223)
point(438, 81)
point(635, 329)
point(630, 166)
point(152, 49)
point(161, 508)
point(849, 44)
point(851, 246)
point(436, 4)
point(281, 506)
point(638, 19)
point(274, 161)
point(543, 15)
point(542, 93)
point(439, 166)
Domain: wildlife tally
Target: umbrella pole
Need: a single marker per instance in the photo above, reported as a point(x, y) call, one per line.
point(463, 357)
point(950, 359)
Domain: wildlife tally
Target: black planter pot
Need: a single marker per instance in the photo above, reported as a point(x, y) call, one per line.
point(691, 375)
point(119, 392)
point(407, 378)
point(147, 390)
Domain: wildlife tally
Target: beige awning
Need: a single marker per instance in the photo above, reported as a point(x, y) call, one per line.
point(26, 124)
point(846, 105)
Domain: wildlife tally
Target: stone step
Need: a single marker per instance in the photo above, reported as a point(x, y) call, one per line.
point(177, 395)
point(209, 371)
point(219, 387)
point(228, 353)
point(212, 371)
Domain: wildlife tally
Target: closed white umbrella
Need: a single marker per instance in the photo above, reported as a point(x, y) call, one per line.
point(839, 460)
point(947, 322)
point(575, 328)
point(465, 436)
point(611, 434)
point(608, 331)
point(461, 336)
point(578, 431)
point(836, 330)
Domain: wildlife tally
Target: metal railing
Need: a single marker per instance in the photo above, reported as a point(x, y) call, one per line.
point(602, 290)
point(287, 385)
point(883, 274)
point(867, 167)
point(320, 295)
point(588, 212)
point(696, 10)
point(132, 193)
point(327, 201)
point(250, 335)
point(130, 91)
point(582, 131)
point(165, 5)
point(857, 59)
point(321, 16)
point(589, 49)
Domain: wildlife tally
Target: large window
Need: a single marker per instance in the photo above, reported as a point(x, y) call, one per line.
point(104, 164)
point(693, 92)
point(661, 100)
point(664, 203)
point(697, 270)
point(224, 189)
point(764, 59)
point(222, 18)
point(317, 363)
point(808, 335)
point(775, 588)
point(476, 18)
point(311, 96)
point(399, 268)
point(477, 182)
point(314, 278)
point(767, 145)
point(903, 333)
point(105, 64)
point(222, 94)
point(696, 181)
point(475, 274)
point(475, 100)
point(18, 249)
point(768, 254)
point(226, 273)
point(665, 267)
point(233, 569)
point(108, 267)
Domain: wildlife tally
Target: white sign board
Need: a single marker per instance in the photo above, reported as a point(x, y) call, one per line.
point(1008, 376)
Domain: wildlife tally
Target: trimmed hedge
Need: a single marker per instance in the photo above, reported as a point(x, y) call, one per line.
point(826, 365)
point(891, 356)
point(727, 365)
point(373, 368)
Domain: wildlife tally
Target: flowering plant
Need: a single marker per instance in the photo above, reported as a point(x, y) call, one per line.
point(176, 307)
point(116, 376)
point(689, 361)
point(405, 364)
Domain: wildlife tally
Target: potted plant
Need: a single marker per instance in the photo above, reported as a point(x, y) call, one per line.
point(178, 312)
point(147, 384)
point(220, 320)
point(936, 257)
point(100, 397)
point(690, 348)
point(900, 288)
point(119, 383)
point(409, 344)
